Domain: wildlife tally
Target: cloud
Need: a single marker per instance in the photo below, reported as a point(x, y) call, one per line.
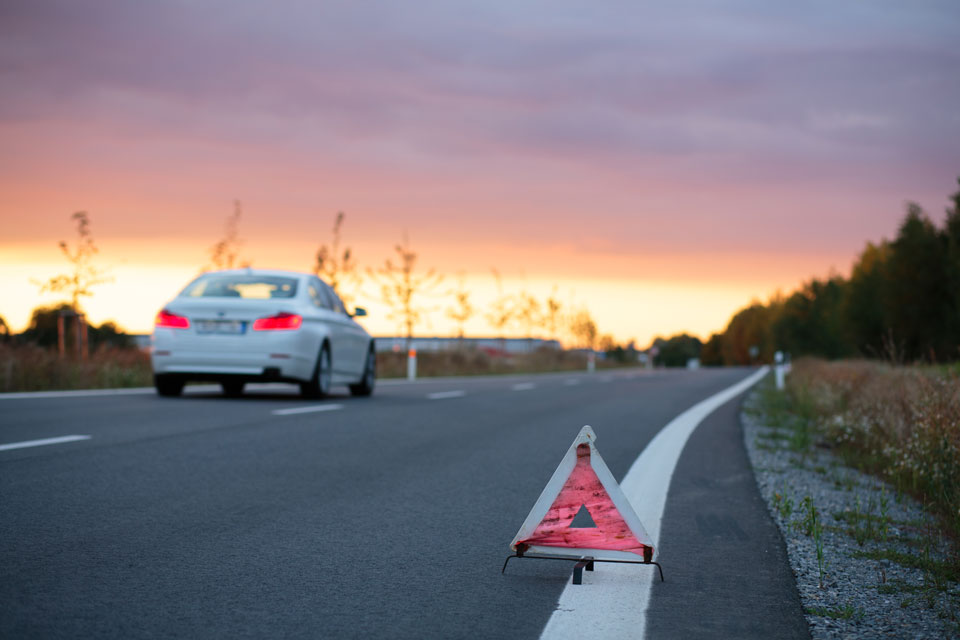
point(681, 120)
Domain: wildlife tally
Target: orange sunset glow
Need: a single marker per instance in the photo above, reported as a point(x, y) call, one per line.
point(659, 166)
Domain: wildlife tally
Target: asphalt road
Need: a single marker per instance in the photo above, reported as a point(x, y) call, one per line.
point(386, 517)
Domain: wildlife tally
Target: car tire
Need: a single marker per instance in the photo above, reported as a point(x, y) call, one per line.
point(319, 385)
point(168, 385)
point(232, 388)
point(364, 388)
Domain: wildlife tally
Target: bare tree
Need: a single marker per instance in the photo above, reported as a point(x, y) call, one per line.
point(583, 328)
point(225, 254)
point(338, 269)
point(83, 274)
point(462, 310)
point(551, 314)
point(4, 330)
point(401, 287)
point(529, 313)
point(502, 311)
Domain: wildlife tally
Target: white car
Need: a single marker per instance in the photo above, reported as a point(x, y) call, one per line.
point(247, 325)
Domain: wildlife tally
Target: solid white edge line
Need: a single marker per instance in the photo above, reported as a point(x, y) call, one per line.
point(40, 443)
point(310, 409)
point(614, 603)
point(443, 395)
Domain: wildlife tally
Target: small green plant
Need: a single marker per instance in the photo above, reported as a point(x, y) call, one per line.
point(784, 504)
point(812, 526)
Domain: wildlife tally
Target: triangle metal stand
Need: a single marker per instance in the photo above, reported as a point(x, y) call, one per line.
point(585, 562)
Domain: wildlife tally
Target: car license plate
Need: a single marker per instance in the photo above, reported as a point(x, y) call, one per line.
point(226, 327)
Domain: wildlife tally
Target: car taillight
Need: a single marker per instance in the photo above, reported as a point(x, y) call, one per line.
point(169, 320)
point(279, 321)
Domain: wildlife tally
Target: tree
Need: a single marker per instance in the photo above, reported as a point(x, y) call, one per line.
point(864, 308)
point(748, 329)
point(337, 268)
point(528, 313)
point(401, 287)
point(607, 344)
point(711, 353)
point(916, 293)
point(552, 314)
point(583, 329)
point(4, 330)
point(83, 275)
point(951, 239)
point(42, 330)
point(462, 310)
point(811, 321)
point(677, 350)
point(225, 253)
point(501, 311)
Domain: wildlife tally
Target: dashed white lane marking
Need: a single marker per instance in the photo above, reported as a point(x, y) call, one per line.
point(523, 386)
point(614, 604)
point(571, 382)
point(443, 395)
point(40, 443)
point(310, 409)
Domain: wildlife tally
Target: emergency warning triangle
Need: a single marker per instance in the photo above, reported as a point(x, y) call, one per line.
point(582, 480)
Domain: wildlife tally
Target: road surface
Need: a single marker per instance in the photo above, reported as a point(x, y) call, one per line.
point(387, 517)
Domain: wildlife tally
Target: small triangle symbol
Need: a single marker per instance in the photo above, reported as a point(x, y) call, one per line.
point(583, 519)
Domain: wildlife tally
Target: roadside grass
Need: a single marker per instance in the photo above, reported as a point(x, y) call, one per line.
point(901, 424)
point(32, 368)
point(27, 367)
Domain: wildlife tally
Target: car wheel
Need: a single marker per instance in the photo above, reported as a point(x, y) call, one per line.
point(232, 388)
point(319, 385)
point(365, 386)
point(168, 385)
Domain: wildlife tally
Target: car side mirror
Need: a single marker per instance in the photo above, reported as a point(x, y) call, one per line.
point(359, 312)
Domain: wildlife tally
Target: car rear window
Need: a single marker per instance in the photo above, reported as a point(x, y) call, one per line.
point(241, 286)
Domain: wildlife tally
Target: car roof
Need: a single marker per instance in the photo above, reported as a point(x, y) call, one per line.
point(260, 272)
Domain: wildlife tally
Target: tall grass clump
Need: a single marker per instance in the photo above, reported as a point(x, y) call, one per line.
point(901, 423)
point(28, 367)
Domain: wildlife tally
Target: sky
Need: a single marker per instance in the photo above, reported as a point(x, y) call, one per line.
point(660, 164)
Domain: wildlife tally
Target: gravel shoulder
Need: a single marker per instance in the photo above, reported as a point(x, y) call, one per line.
point(865, 558)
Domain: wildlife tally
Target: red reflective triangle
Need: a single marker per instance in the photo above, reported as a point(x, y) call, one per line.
point(584, 488)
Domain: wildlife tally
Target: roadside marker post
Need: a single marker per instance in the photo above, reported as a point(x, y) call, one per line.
point(582, 488)
point(412, 364)
point(779, 369)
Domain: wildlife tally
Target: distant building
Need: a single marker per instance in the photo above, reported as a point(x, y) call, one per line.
point(504, 345)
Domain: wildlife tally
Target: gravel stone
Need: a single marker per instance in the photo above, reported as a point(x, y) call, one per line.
point(867, 598)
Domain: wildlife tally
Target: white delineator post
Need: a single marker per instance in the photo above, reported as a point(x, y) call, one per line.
point(412, 364)
point(591, 362)
point(778, 369)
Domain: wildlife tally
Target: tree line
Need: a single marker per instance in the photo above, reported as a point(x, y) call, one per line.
point(901, 302)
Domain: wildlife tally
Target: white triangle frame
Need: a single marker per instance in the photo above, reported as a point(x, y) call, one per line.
point(552, 490)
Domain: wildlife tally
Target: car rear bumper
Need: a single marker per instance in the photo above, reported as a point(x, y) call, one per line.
point(207, 365)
